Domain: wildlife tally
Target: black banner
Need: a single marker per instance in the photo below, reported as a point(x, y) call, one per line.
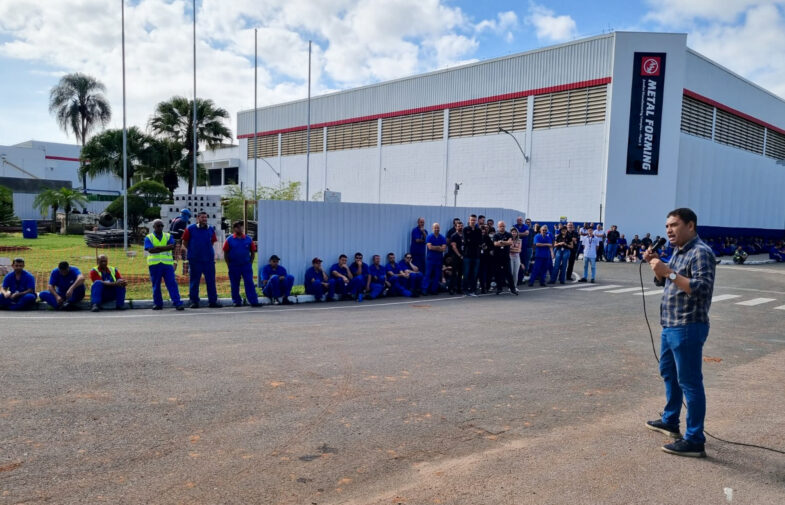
point(648, 83)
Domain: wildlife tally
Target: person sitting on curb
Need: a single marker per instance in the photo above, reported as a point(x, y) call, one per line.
point(318, 283)
point(276, 282)
point(18, 290)
point(740, 256)
point(108, 285)
point(66, 288)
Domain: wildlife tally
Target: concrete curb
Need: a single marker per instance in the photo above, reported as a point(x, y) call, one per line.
point(148, 304)
point(753, 262)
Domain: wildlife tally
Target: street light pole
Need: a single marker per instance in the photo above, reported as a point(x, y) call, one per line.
point(525, 160)
point(125, 141)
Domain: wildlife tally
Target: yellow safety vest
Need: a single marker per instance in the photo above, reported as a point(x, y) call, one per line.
point(112, 272)
point(162, 257)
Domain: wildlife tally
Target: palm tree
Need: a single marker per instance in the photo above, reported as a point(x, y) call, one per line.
point(103, 154)
point(173, 120)
point(66, 198)
point(79, 105)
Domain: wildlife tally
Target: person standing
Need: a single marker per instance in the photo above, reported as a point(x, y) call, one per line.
point(562, 248)
point(435, 244)
point(612, 246)
point(160, 263)
point(688, 279)
point(276, 282)
point(502, 241)
point(66, 288)
point(108, 285)
point(472, 241)
point(198, 240)
point(455, 251)
point(589, 242)
point(523, 234)
point(318, 283)
point(177, 227)
point(575, 238)
point(486, 259)
point(543, 256)
point(417, 247)
point(239, 252)
point(515, 255)
point(18, 289)
point(600, 234)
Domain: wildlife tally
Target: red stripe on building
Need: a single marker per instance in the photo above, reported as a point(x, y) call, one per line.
point(62, 158)
point(731, 110)
point(452, 105)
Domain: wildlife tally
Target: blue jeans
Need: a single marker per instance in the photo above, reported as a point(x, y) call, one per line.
point(560, 265)
point(586, 262)
point(680, 366)
point(471, 266)
point(610, 252)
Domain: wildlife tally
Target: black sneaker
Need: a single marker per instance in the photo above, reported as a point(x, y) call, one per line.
point(592, 281)
point(193, 305)
point(95, 308)
point(666, 429)
point(286, 301)
point(179, 307)
point(583, 279)
point(686, 448)
point(157, 307)
point(237, 305)
point(216, 305)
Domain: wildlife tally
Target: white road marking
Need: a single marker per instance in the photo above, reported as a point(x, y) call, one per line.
point(720, 298)
point(756, 301)
point(652, 292)
point(568, 286)
point(755, 269)
point(781, 307)
point(625, 290)
point(597, 288)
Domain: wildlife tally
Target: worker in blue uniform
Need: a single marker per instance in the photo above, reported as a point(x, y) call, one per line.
point(66, 288)
point(160, 262)
point(396, 277)
point(543, 256)
point(360, 278)
point(343, 276)
point(412, 275)
point(318, 283)
point(18, 289)
point(435, 245)
point(108, 285)
point(276, 282)
point(377, 279)
point(239, 251)
point(198, 240)
point(417, 247)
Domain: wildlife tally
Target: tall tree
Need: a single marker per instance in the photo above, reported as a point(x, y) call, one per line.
point(65, 198)
point(103, 154)
point(79, 105)
point(173, 120)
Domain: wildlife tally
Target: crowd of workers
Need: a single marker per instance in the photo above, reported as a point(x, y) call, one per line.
point(473, 257)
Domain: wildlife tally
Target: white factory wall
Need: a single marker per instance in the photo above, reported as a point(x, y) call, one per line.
point(729, 187)
point(567, 166)
point(354, 173)
point(639, 203)
point(293, 169)
point(413, 174)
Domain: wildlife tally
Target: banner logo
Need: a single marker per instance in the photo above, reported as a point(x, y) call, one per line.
point(650, 65)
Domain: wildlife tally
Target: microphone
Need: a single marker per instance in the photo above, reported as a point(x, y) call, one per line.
point(658, 244)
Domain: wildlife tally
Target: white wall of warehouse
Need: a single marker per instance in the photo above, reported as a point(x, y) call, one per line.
point(730, 187)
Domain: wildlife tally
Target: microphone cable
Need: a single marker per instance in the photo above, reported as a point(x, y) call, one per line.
point(654, 350)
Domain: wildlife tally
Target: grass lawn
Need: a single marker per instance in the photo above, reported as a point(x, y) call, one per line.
point(46, 251)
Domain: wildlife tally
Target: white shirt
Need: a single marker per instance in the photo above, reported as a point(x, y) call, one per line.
point(590, 246)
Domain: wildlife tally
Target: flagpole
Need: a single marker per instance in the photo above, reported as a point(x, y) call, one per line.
point(125, 140)
point(308, 132)
point(255, 131)
point(196, 146)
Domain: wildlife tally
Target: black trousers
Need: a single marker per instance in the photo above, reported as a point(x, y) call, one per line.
point(571, 263)
point(503, 274)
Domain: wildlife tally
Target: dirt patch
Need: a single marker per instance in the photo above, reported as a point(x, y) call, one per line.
point(13, 248)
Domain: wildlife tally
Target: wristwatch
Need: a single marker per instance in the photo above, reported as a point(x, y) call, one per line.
point(672, 276)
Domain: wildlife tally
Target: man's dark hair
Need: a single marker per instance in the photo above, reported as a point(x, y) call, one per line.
point(342, 256)
point(236, 224)
point(18, 260)
point(358, 254)
point(472, 215)
point(63, 265)
point(480, 217)
point(202, 212)
point(390, 254)
point(685, 214)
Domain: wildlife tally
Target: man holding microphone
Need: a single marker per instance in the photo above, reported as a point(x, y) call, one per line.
point(684, 314)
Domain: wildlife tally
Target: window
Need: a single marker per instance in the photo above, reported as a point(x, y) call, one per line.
point(413, 128)
point(214, 177)
point(696, 117)
point(231, 175)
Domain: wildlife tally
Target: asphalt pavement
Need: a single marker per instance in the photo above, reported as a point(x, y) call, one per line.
point(539, 398)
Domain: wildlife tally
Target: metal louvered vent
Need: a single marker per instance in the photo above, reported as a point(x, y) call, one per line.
point(696, 117)
point(487, 118)
point(570, 108)
point(738, 132)
point(410, 128)
point(265, 147)
point(295, 142)
point(775, 145)
point(352, 135)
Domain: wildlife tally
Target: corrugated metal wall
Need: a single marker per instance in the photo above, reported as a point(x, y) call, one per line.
point(298, 231)
point(569, 63)
point(24, 208)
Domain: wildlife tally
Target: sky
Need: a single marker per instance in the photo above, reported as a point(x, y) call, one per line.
point(355, 42)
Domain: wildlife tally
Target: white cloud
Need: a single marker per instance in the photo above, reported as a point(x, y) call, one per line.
point(550, 27)
point(355, 42)
point(675, 13)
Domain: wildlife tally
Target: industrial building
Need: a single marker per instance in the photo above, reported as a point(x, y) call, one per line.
point(619, 128)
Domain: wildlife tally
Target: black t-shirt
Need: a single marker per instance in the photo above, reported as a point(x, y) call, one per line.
point(613, 237)
point(566, 238)
point(646, 242)
point(503, 249)
point(458, 241)
point(486, 245)
point(472, 240)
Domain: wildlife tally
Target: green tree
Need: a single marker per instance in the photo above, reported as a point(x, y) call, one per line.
point(234, 197)
point(6, 206)
point(79, 105)
point(136, 210)
point(103, 154)
point(152, 192)
point(63, 198)
point(166, 157)
point(173, 120)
